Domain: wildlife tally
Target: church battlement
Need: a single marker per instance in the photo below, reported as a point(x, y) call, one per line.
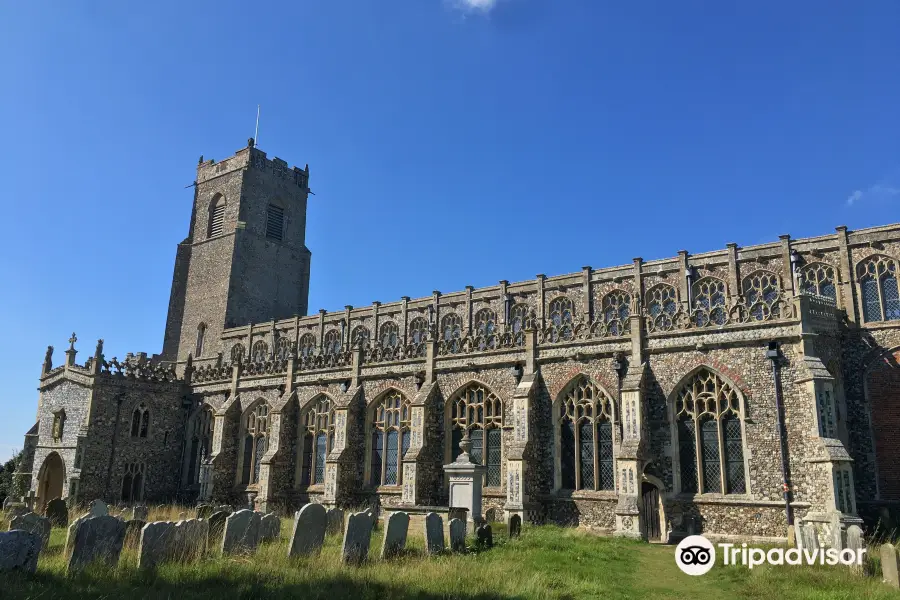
point(252, 157)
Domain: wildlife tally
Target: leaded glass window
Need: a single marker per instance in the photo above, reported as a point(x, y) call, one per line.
point(586, 437)
point(390, 335)
point(260, 352)
point(317, 429)
point(761, 292)
point(878, 287)
point(710, 437)
point(331, 343)
point(418, 335)
point(485, 326)
point(451, 332)
point(518, 319)
point(390, 438)
point(476, 409)
point(237, 353)
point(307, 345)
point(140, 421)
point(360, 336)
point(256, 441)
point(616, 310)
point(201, 442)
point(562, 316)
point(818, 279)
point(662, 306)
point(709, 302)
point(282, 348)
point(133, 482)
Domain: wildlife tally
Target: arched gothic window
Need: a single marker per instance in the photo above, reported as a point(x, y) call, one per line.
point(237, 353)
point(761, 293)
point(586, 437)
point(662, 306)
point(307, 345)
point(275, 222)
point(485, 327)
point(390, 335)
point(133, 482)
point(709, 435)
point(201, 333)
point(709, 302)
point(317, 429)
point(216, 216)
point(616, 310)
point(479, 411)
point(451, 332)
point(256, 442)
point(518, 321)
point(562, 313)
point(418, 335)
point(140, 421)
point(200, 443)
point(878, 289)
point(360, 336)
point(331, 343)
point(282, 348)
point(390, 439)
point(260, 352)
point(818, 279)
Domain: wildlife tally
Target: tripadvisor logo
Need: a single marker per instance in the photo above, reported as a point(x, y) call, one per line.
point(696, 555)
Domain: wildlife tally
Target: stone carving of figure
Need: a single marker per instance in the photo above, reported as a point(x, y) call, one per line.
point(58, 425)
point(48, 359)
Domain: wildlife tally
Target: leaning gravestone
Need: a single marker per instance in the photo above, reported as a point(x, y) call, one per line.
point(98, 508)
point(809, 540)
point(139, 513)
point(309, 531)
point(485, 536)
point(19, 550)
point(457, 535)
point(57, 512)
point(216, 529)
point(133, 532)
point(515, 526)
point(156, 539)
point(856, 542)
point(434, 533)
point(334, 521)
point(35, 524)
point(890, 565)
point(73, 529)
point(269, 528)
point(241, 532)
point(97, 539)
point(357, 537)
point(395, 530)
point(189, 540)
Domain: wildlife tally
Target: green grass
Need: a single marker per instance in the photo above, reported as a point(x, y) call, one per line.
point(546, 562)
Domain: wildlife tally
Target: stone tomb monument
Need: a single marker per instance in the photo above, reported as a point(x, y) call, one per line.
point(466, 479)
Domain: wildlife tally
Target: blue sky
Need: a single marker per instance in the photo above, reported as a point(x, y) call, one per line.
point(450, 143)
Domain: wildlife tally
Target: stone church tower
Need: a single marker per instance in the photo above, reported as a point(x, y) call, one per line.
point(244, 259)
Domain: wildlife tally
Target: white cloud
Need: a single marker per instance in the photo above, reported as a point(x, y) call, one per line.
point(879, 191)
point(475, 5)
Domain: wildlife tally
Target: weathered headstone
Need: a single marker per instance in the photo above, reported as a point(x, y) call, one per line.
point(395, 530)
point(434, 533)
point(19, 550)
point(189, 540)
point(269, 528)
point(334, 520)
point(16, 509)
point(73, 529)
point(485, 536)
point(309, 531)
point(224, 508)
point(98, 508)
point(809, 540)
point(357, 537)
point(856, 542)
point(204, 511)
point(515, 526)
point(241, 532)
point(133, 532)
point(373, 516)
point(57, 512)
point(139, 513)
point(890, 565)
point(97, 539)
point(155, 543)
point(216, 529)
point(34, 524)
point(457, 535)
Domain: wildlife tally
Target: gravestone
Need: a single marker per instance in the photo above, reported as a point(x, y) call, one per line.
point(155, 541)
point(373, 516)
point(334, 521)
point(224, 508)
point(490, 515)
point(139, 513)
point(189, 540)
point(98, 539)
point(204, 511)
point(457, 535)
point(241, 532)
point(34, 524)
point(73, 529)
point(515, 526)
point(133, 532)
point(269, 528)
point(485, 536)
point(357, 537)
point(809, 540)
point(16, 509)
point(19, 550)
point(395, 530)
point(309, 531)
point(434, 533)
point(216, 529)
point(856, 542)
point(890, 565)
point(57, 512)
point(98, 508)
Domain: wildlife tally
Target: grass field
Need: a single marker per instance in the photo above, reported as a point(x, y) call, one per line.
point(546, 562)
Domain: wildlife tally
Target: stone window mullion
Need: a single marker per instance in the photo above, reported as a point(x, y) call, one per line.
point(698, 452)
point(577, 434)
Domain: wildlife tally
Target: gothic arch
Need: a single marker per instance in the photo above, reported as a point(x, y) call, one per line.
point(315, 439)
point(253, 440)
point(485, 427)
point(395, 405)
point(51, 480)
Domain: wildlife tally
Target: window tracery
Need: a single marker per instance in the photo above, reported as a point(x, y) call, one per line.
point(480, 412)
point(307, 345)
point(451, 332)
point(709, 296)
point(662, 304)
point(390, 439)
point(282, 348)
point(616, 309)
point(818, 279)
point(140, 421)
point(360, 336)
point(418, 335)
point(518, 322)
point(485, 327)
point(256, 442)
point(331, 343)
point(761, 293)
point(317, 427)
point(878, 289)
point(260, 352)
point(133, 482)
point(237, 353)
point(200, 443)
point(586, 437)
point(562, 317)
point(390, 335)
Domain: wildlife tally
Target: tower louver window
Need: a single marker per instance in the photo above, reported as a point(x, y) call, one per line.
point(218, 221)
point(275, 222)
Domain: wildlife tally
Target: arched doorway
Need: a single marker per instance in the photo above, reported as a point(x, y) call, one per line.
point(50, 480)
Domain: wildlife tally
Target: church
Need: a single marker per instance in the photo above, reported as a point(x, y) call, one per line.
point(729, 393)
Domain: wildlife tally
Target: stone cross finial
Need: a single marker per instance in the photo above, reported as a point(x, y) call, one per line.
point(72, 341)
point(48, 359)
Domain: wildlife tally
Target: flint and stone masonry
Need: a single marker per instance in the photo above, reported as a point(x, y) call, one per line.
point(642, 400)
